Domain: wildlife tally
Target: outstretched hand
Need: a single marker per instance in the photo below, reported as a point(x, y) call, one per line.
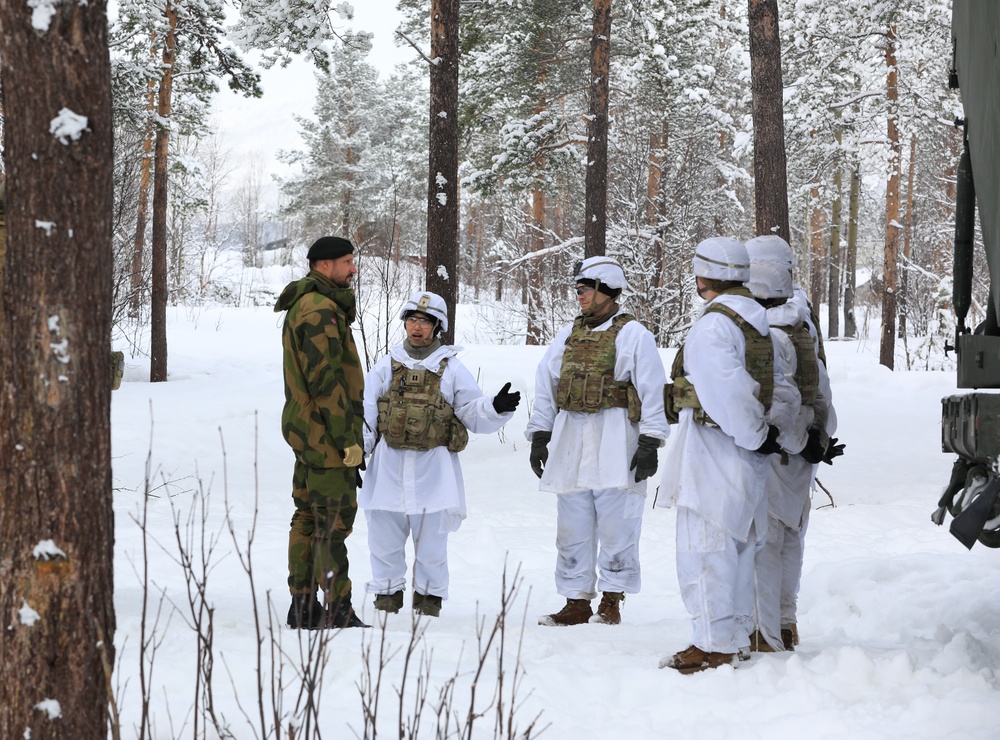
point(833, 450)
point(505, 402)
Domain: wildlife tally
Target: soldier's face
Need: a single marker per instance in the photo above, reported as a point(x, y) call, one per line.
point(589, 298)
point(419, 329)
point(704, 292)
point(341, 270)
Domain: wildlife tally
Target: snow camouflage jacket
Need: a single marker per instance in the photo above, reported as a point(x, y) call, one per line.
point(324, 382)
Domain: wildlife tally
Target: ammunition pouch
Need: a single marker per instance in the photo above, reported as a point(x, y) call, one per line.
point(681, 395)
point(586, 380)
point(758, 359)
point(806, 362)
point(117, 369)
point(413, 415)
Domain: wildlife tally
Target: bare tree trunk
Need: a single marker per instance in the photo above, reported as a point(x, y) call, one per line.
point(596, 221)
point(769, 165)
point(159, 292)
point(657, 158)
point(56, 518)
point(817, 247)
point(833, 318)
point(442, 190)
point(535, 282)
point(475, 232)
point(887, 347)
point(851, 260)
point(904, 278)
point(139, 245)
point(142, 208)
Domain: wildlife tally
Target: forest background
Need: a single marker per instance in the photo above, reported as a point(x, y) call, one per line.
point(869, 136)
point(679, 162)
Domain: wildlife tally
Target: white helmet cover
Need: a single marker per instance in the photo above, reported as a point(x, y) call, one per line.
point(721, 258)
point(769, 280)
point(607, 270)
point(772, 248)
point(429, 303)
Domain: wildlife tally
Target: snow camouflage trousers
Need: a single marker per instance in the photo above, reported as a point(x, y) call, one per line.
point(326, 504)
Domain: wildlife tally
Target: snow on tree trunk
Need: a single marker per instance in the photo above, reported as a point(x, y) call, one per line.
point(890, 273)
point(158, 294)
point(596, 221)
point(442, 187)
point(769, 166)
point(56, 520)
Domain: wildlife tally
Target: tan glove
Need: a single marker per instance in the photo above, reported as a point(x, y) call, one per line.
point(353, 456)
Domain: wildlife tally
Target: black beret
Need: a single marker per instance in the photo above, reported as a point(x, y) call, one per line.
point(329, 248)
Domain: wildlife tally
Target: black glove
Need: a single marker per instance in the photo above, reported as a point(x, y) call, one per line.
point(357, 471)
point(814, 450)
point(770, 445)
point(833, 450)
point(644, 460)
point(504, 402)
point(539, 451)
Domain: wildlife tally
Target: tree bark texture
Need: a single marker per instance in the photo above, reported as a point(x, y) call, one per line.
point(769, 164)
point(161, 150)
point(442, 187)
point(817, 247)
point(833, 319)
point(904, 278)
point(596, 221)
point(535, 281)
point(851, 259)
point(658, 143)
point(138, 278)
point(56, 518)
point(890, 272)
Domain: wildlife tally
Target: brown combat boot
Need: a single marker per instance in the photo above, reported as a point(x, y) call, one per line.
point(694, 659)
point(790, 636)
point(576, 611)
point(758, 644)
point(426, 605)
point(609, 610)
point(391, 603)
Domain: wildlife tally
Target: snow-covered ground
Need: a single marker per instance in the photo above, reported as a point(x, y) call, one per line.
point(899, 624)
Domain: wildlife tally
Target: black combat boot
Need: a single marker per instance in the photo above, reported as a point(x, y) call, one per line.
point(341, 614)
point(306, 613)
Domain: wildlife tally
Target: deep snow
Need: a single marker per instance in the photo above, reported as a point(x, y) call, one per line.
point(899, 624)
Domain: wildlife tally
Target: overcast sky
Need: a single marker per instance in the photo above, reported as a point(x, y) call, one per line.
point(254, 130)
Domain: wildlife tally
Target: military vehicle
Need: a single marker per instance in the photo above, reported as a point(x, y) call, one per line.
point(970, 422)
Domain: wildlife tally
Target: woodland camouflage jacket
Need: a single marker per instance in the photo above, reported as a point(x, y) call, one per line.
point(324, 383)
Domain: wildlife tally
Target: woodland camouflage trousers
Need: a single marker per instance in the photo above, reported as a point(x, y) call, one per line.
point(326, 503)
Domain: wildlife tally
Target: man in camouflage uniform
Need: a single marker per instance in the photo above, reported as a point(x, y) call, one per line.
point(322, 422)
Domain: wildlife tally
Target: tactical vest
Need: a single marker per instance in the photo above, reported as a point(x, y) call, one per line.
point(413, 415)
point(587, 377)
point(820, 350)
point(806, 364)
point(759, 360)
